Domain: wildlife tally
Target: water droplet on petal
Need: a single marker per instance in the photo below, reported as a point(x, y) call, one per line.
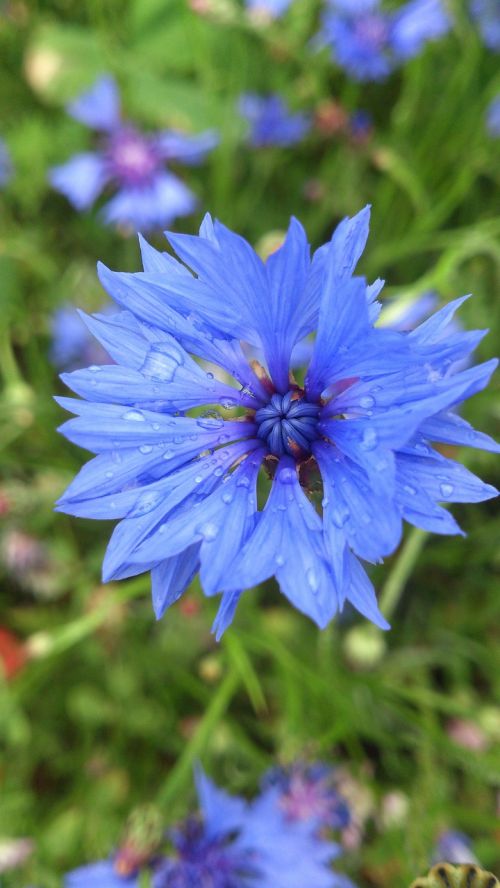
point(210, 422)
point(312, 580)
point(109, 474)
point(162, 362)
point(227, 497)
point(366, 401)
point(168, 454)
point(369, 440)
point(94, 368)
point(209, 531)
point(446, 489)
point(279, 560)
point(145, 503)
point(133, 416)
point(198, 479)
point(145, 448)
point(287, 476)
point(409, 489)
point(243, 481)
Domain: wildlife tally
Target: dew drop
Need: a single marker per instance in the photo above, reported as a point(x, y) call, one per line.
point(162, 362)
point(168, 454)
point(209, 531)
point(287, 476)
point(146, 502)
point(227, 497)
point(133, 416)
point(409, 489)
point(198, 479)
point(279, 560)
point(446, 489)
point(312, 580)
point(94, 368)
point(145, 448)
point(367, 401)
point(218, 471)
point(243, 481)
point(210, 422)
point(155, 426)
point(109, 474)
point(369, 440)
point(227, 403)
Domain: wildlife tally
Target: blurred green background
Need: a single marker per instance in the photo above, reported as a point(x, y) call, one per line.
point(102, 708)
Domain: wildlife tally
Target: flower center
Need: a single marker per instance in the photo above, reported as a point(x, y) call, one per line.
point(372, 31)
point(132, 157)
point(288, 424)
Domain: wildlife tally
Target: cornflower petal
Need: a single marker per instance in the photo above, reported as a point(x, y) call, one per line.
point(81, 179)
point(99, 107)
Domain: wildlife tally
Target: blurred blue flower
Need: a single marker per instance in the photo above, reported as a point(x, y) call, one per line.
point(355, 436)
point(369, 42)
point(233, 844)
point(147, 194)
point(72, 345)
point(273, 8)
point(487, 15)
point(309, 792)
point(360, 125)
point(101, 874)
point(6, 169)
point(493, 118)
point(241, 845)
point(270, 121)
point(454, 847)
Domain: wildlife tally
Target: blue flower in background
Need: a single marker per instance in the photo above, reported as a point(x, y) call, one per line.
point(308, 792)
point(233, 844)
point(454, 847)
point(369, 42)
point(72, 344)
point(6, 169)
point(147, 194)
point(487, 15)
point(270, 121)
point(347, 452)
point(273, 8)
point(493, 118)
point(101, 874)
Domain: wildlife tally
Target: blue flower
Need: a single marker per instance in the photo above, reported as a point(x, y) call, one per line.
point(369, 42)
point(454, 847)
point(231, 844)
point(493, 118)
point(270, 122)
point(147, 194)
point(347, 452)
point(237, 844)
point(272, 8)
point(308, 792)
point(101, 874)
point(72, 344)
point(6, 169)
point(487, 16)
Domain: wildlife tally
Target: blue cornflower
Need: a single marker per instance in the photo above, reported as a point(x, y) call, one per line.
point(72, 345)
point(347, 451)
point(270, 121)
point(309, 792)
point(6, 168)
point(369, 42)
point(487, 16)
point(454, 847)
point(233, 844)
point(147, 195)
point(272, 8)
point(493, 118)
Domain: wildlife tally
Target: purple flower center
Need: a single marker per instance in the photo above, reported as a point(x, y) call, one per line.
point(288, 424)
point(202, 862)
point(307, 798)
point(372, 31)
point(132, 157)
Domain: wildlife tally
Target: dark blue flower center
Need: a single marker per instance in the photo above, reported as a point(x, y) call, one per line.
point(288, 424)
point(132, 156)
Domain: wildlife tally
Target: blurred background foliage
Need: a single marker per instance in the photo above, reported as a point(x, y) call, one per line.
point(102, 708)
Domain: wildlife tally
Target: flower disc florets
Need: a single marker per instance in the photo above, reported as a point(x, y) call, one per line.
point(288, 424)
point(182, 422)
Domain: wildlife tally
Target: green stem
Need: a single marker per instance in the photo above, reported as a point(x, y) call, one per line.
point(180, 774)
point(401, 571)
